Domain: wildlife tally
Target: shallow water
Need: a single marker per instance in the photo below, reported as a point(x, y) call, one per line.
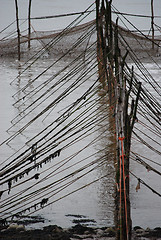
point(145, 204)
point(95, 203)
point(90, 202)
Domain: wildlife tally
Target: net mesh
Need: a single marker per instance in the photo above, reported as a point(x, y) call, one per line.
point(57, 42)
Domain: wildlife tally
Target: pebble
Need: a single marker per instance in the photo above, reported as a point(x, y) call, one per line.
point(139, 230)
point(16, 227)
point(100, 232)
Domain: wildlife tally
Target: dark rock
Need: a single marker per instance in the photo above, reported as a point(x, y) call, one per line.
point(157, 229)
point(75, 215)
point(53, 228)
point(110, 232)
point(80, 229)
point(139, 231)
point(153, 233)
point(137, 227)
point(81, 221)
point(61, 236)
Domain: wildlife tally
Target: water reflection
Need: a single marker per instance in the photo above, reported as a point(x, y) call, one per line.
point(95, 202)
point(107, 144)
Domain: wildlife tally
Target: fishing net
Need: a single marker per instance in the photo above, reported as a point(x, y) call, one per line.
point(54, 42)
point(57, 42)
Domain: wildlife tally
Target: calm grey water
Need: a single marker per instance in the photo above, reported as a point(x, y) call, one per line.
point(90, 202)
point(96, 201)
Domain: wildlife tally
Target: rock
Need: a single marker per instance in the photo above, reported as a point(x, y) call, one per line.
point(3, 230)
point(80, 229)
point(20, 228)
point(12, 227)
point(140, 230)
point(87, 232)
point(61, 236)
point(137, 227)
point(53, 228)
point(15, 227)
point(158, 229)
point(156, 233)
point(100, 232)
point(57, 230)
point(110, 232)
point(147, 229)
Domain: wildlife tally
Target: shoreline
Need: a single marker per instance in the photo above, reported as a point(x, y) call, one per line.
point(54, 232)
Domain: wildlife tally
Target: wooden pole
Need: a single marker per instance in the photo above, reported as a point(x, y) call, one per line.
point(98, 20)
point(109, 31)
point(29, 23)
point(119, 101)
point(97, 27)
point(101, 43)
point(18, 29)
point(152, 23)
point(109, 49)
point(122, 128)
point(97, 14)
point(117, 54)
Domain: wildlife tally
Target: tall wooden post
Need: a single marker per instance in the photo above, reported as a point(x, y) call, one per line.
point(97, 14)
point(152, 23)
point(109, 48)
point(29, 23)
point(109, 30)
point(101, 43)
point(119, 102)
point(18, 29)
point(123, 221)
point(116, 52)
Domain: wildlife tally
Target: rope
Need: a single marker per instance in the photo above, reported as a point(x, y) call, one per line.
point(141, 181)
point(133, 15)
point(62, 15)
point(124, 184)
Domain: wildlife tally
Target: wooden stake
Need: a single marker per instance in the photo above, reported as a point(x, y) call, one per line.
point(152, 23)
point(18, 29)
point(136, 105)
point(116, 52)
point(97, 14)
point(29, 23)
